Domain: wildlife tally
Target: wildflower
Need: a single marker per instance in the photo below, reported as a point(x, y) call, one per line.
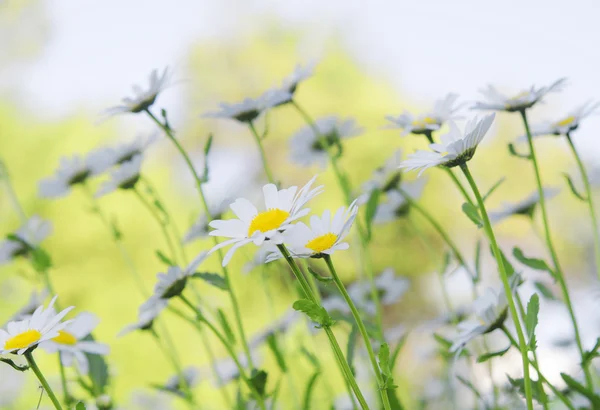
point(491, 311)
point(27, 237)
point(443, 111)
point(143, 99)
point(396, 205)
point(386, 177)
point(200, 228)
point(282, 207)
point(306, 147)
point(456, 147)
point(35, 300)
point(71, 172)
point(300, 73)
point(519, 102)
point(250, 108)
point(260, 257)
point(567, 124)
point(71, 342)
point(324, 237)
point(124, 177)
point(390, 289)
point(23, 335)
point(147, 313)
point(108, 157)
point(525, 207)
point(191, 376)
point(173, 282)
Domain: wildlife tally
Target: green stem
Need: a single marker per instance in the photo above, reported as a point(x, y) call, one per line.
point(261, 149)
point(363, 331)
point(234, 302)
point(14, 199)
point(557, 268)
point(590, 202)
point(161, 223)
point(200, 317)
point(33, 365)
point(63, 381)
point(337, 351)
point(541, 377)
point(507, 290)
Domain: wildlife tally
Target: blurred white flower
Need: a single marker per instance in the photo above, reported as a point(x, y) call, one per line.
point(282, 207)
point(524, 207)
point(142, 400)
point(395, 204)
point(200, 228)
point(28, 236)
point(300, 73)
point(143, 99)
point(124, 177)
point(227, 370)
point(71, 342)
point(324, 237)
point(567, 124)
point(173, 282)
point(456, 147)
point(306, 148)
point(71, 171)
point(107, 157)
point(147, 312)
point(390, 289)
point(43, 325)
point(250, 108)
point(521, 101)
point(386, 177)
point(11, 388)
point(443, 110)
point(260, 257)
point(35, 299)
point(279, 326)
point(191, 375)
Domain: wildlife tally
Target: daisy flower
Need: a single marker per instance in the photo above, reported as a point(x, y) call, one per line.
point(191, 375)
point(525, 207)
point(250, 108)
point(71, 171)
point(260, 257)
point(456, 147)
point(22, 335)
point(108, 157)
point(386, 177)
point(491, 311)
point(567, 124)
point(390, 289)
point(443, 111)
point(147, 312)
point(27, 237)
point(173, 282)
point(143, 99)
point(300, 73)
point(324, 236)
point(71, 342)
point(282, 207)
point(519, 102)
point(124, 177)
point(395, 205)
point(200, 228)
point(306, 148)
point(35, 300)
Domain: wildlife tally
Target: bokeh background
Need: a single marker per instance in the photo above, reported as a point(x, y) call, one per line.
point(62, 63)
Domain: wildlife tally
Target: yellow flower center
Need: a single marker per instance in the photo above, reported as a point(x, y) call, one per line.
point(567, 121)
point(321, 243)
point(65, 338)
point(268, 220)
point(23, 340)
point(423, 122)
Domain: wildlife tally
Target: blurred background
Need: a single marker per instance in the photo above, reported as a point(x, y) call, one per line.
point(62, 63)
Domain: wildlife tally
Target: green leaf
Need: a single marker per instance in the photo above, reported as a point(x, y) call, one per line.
point(212, 278)
point(573, 189)
point(314, 360)
point(397, 350)
point(14, 365)
point(472, 213)
point(80, 406)
point(384, 359)
point(588, 355)
point(98, 371)
point(309, 389)
point(536, 389)
point(370, 210)
point(164, 259)
point(40, 260)
point(544, 290)
point(258, 380)
point(510, 270)
point(445, 262)
point(351, 348)
point(470, 386)
point(493, 188)
point(324, 279)
point(531, 319)
point(533, 263)
point(226, 327)
point(512, 150)
point(207, 147)
point(274, 346)
point(477, 262)
point(488, 356)
point(581, 389)
point(315, 312)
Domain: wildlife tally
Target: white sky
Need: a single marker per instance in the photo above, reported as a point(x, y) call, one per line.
point(425, 48)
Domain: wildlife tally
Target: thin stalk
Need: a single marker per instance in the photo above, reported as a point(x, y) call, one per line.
point(63, 381)
point(14, 199)
point(439, 229)
point(557, 268)
point(161, 223)
point(234, 302)
point(507, 290)
point(363, 331)
point(200, 317)
point(344, 186)
point(332, 339)
point(261, 149)
point(33, 365)
point(554, 390)
point(590, 202)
